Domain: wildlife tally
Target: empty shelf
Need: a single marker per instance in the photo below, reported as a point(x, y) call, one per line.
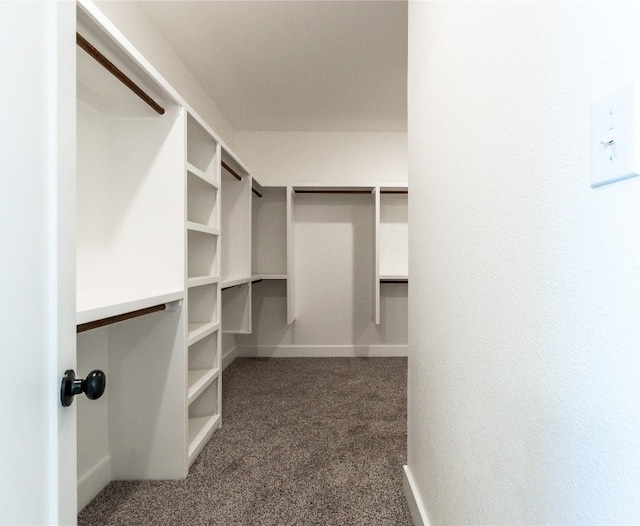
point(200, 430)
point(199, 173)
point(197, 331)
point(199, 380)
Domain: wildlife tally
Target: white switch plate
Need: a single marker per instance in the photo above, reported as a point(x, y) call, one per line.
point(615, 136)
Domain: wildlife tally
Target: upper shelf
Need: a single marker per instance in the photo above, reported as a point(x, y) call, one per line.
point(98, 63)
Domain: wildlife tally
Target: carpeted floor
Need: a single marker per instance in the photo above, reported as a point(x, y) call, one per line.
point(317, 441)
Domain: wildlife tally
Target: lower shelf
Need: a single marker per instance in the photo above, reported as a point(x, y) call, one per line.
point(200, 430)
point(199, 380)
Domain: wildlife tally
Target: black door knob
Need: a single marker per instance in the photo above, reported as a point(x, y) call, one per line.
point(92, 386)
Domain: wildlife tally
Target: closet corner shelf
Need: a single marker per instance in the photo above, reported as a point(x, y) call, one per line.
point(199, 173)
point(235, 282)
point(199, 380)
point(197, 331)
point(101, 304)
point(200, 429)
point(197, 227)
point(202, 280)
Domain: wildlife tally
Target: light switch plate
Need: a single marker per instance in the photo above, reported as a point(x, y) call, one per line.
point(615, 136)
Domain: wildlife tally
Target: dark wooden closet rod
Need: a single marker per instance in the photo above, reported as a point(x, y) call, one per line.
point(401, 280)
point(230, 170)
point(256, 192)
point(332, 191)
point(394, 191)
point(120, 317)
point(113, 69)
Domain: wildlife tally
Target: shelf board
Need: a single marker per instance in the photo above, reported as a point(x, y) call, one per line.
point(199, 173)
point(232, 283)
point(202, 280)
point(268, 276)
point(395, 278)
point(197, 227)
point(395, 189)
point(333, 189)
point(100, 304)
point(200, 430)
point(199, 380)
point(197, 331)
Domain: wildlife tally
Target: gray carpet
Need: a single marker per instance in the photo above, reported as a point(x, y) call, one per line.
point(304, 442)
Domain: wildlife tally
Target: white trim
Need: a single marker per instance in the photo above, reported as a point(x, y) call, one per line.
point(416, 506)
point(229, 356)
point(323, 351)
point(93, 482)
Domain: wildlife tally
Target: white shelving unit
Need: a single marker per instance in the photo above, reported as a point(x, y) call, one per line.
point(391, 238)
point(269, 233)
point(130, 243)
point(202, 226)
point(291, 258)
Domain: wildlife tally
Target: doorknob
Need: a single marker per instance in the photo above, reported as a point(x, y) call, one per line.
point(92, 386)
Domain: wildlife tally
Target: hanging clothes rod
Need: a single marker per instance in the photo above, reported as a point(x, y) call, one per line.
point(399, 280)
point(394, 191)
point(256, 192)
point(302, 191)
point(116, 72)
point(230, 170)
point(120, 317)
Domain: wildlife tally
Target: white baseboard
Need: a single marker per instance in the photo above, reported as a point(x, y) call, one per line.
point(229, 356)
point(416, 506)
point(323, 351)
point(93, 482)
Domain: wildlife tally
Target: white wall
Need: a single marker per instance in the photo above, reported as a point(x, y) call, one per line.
point(134, 24)
point(524, 398)
point(331, 158)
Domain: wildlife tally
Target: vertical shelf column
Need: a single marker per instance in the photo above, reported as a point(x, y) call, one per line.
point(291, 261)
point(392, 239)
point(202, 282)
point(376, 284)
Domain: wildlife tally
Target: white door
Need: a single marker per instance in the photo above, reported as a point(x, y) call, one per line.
point(37, 259)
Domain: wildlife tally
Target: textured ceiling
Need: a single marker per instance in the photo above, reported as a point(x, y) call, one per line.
point(295, 65)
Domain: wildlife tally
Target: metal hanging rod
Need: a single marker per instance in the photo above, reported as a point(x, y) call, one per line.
point(116, 72)
point(394, 191)
point(398, 280)
point(230, 170)
point(312, 191)
point(256, 192)
point(120, 317)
